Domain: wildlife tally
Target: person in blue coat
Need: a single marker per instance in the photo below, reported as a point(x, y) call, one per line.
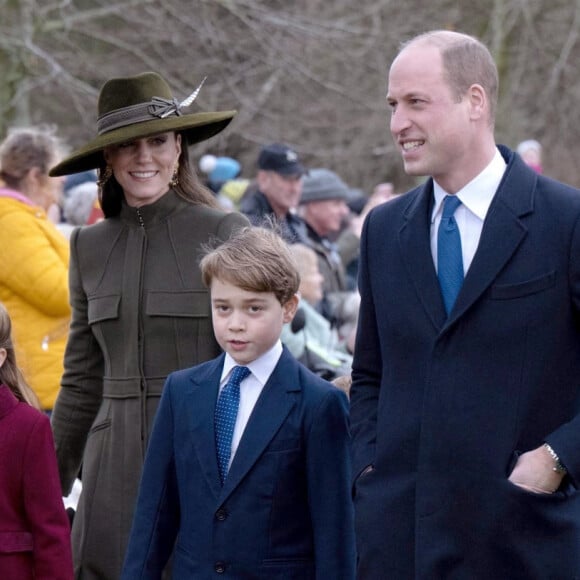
point(465, 392)
point(258, 487)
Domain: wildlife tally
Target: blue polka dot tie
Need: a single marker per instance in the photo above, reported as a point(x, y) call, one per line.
point(449, 257)
point(226, 411)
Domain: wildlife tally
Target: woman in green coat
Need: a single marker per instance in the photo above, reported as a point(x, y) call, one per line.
point(139, 308)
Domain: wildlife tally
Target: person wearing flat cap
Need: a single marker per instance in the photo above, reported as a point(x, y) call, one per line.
point(323, 208)
point(139, 307)
point(276, 192)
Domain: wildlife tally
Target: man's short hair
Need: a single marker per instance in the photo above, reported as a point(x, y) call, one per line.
point(466, 61)
point(255, 259)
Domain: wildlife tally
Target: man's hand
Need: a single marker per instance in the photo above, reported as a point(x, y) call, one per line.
point(534, 471)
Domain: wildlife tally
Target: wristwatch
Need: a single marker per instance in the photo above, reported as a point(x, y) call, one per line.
point(558, 467)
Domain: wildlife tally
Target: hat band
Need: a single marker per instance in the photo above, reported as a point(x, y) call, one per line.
point(157, 108)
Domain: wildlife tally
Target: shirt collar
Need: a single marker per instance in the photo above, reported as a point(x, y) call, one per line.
point(261, 368)
point(478, 194)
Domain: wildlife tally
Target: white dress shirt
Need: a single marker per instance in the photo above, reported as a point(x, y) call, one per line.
point(250, 388)
point(476, 197)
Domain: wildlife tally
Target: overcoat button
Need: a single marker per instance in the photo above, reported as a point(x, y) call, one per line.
point(220, 567)
point(221, 514)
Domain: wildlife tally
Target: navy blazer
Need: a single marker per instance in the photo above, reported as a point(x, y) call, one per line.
point(443, 406)
point(285, 510)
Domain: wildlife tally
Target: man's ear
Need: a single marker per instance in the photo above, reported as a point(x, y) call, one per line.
point(290, 308)
point(478, 101)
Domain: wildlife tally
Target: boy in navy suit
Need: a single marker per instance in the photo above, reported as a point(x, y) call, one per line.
point(247, 471)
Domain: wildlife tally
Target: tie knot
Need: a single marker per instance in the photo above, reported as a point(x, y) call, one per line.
point(450, 204)
point(239, 374)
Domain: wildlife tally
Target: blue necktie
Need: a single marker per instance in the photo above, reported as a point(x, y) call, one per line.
point(449, 257)
point(226, 411)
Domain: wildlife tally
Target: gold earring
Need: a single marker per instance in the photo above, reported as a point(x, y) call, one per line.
point(104, 176)
point(175, 177)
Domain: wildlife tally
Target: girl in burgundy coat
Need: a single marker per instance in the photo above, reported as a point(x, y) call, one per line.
point(34, 528)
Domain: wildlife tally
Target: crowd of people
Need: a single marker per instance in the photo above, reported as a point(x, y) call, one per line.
point(268, 373)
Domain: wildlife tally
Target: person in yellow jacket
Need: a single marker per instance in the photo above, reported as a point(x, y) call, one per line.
point(34, 258)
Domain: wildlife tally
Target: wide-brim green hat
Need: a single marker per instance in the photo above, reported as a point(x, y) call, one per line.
point(140, 106)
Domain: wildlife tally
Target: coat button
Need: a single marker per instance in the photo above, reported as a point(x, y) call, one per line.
point(220, 567)
point(221, 514)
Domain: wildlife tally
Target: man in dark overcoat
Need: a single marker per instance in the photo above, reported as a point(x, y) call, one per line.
point(465, 393)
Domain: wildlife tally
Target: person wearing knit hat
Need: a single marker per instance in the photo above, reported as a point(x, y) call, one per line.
point(323, 201)
point(321, 184)
point(140, 308)
point(323, 204)
point(323, 208)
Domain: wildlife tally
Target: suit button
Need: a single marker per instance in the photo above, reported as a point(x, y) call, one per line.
point(221, 515)
point(220, 567)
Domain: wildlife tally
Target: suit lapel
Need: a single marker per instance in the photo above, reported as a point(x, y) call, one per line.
point(273, 406)
point(503, 232)
point(415, 244)
point(202, 399)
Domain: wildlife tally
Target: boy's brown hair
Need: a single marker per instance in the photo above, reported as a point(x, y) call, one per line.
point(255, 259)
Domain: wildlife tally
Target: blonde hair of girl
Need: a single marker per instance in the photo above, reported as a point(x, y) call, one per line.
point(10, 373)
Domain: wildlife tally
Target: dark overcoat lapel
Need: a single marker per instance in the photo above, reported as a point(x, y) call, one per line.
point(502, 234)
point(416, 254)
